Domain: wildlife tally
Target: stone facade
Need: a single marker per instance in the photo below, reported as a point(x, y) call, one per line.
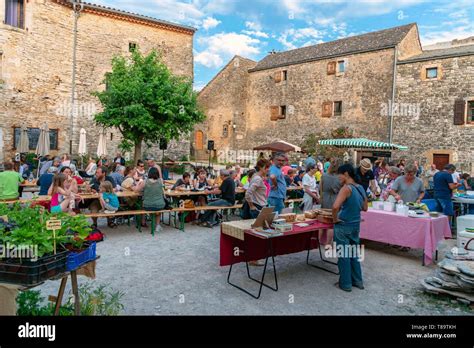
point(37, 68)
point(433, 131)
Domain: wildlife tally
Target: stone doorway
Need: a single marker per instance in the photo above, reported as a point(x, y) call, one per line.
point(440, 159)
point(199, 140)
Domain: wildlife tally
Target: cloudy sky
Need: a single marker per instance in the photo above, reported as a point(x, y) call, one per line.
point(252, 28)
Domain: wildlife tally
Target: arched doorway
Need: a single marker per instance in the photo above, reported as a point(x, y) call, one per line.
point(199, 140)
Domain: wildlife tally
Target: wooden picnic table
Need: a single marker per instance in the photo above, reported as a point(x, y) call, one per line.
point(28, 183)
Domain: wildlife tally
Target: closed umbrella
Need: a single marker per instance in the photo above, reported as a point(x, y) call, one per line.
point(82, 151)
point(24, 143)
point(102, 146)
point(42, 149)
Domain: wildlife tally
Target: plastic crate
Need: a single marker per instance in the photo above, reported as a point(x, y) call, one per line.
point(77, 259)
point(27, 272)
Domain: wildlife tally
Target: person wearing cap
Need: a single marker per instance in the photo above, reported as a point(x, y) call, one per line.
point(45, 180)
point(227, 193)
point(365, 175)
point(151, 163)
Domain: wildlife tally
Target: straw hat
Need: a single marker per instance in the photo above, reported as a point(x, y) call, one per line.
point(365, 164)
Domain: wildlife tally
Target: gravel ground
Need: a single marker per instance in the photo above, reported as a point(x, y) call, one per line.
point(176, 273)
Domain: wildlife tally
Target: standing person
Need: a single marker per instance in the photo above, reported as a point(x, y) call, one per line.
point(429, 175)
point(62, 199)
point(119, 159)
point(443, 190)
point(152, 164)
point(394, 173)
point(327, 164)
point(456, 177)
point(408, 188)
point(45, 180)
point(309, 161)
point(153, 195)
point(227, 192)
point(419, 169)
point(255, 196)
point(330, 185)
point(311, 195)
point(346, 213)
point(464, 182)
point(277, 195)
point(10, 181)
point(108, 199)
point(365, 176)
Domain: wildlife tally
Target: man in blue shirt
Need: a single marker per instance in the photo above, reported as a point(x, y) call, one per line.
point(45, 180)
point(443, 189)
point(277, 182)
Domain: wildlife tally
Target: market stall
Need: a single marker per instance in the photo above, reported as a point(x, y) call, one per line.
point(414, 232)
point(239, 242)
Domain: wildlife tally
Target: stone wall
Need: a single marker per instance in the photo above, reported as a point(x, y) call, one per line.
point(37, 68)
point(434, 130)
point(224, 102)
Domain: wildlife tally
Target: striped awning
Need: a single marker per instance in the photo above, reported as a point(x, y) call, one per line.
point(361, 143)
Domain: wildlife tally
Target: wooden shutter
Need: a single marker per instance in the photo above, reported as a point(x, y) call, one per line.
point(277, 77)
point(327, 109)
point(274, 113)
point(459, 106)
point(332, 68)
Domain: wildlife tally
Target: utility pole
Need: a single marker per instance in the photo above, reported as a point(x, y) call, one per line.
point(77, 7)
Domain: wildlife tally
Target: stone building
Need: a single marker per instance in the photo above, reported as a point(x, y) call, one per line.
point(316, 89)
point(440, 83)
point(36, 60)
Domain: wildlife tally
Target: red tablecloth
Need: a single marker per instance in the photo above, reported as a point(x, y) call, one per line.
point(396, 229)
point(255, 247)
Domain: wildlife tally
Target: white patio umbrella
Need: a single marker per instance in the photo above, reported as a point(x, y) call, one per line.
point(102, 146)
point(24, 142)
point(82, 151)
point(42, 149)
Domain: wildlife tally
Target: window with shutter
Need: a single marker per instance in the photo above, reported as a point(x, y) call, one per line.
point(277, 77)
point(327, 109)
point(331, 68)
point(470, 111)
point(459, 106)
point(274, 113)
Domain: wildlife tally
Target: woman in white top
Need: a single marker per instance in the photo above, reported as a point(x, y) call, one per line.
point(311, 195)
point(91, 168)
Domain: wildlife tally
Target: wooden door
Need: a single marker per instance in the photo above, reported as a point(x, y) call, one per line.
point(440, 160)
point(199, 140)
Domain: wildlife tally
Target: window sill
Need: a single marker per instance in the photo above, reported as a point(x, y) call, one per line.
point(12, 28)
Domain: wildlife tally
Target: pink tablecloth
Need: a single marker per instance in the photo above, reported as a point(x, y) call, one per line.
point(417, 233)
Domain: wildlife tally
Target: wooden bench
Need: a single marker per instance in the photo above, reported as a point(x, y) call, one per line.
point(184, 212)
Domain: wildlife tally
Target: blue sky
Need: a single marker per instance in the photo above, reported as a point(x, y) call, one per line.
point(252, 28)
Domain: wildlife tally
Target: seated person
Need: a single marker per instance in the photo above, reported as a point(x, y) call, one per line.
point(227, 192)
point(108, 199)
point(247, 178)
point(408, 188)
point(289, 178)
point(45, 180)
point(10, 181)
point(182, 182)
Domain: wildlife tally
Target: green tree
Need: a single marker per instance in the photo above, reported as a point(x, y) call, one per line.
point(146, 102)
point(311, 142)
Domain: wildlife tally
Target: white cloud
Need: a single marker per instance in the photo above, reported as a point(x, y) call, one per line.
point(210, 23)
point(208, 59)
point(293, 38)
point(223, 46)
point(460, 32)
point(255, 26)
point(256, 33)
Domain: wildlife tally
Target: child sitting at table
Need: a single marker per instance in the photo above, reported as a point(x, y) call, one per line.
point(108, 199)
point(62, 199)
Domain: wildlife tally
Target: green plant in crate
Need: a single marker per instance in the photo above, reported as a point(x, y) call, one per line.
point(75, 229)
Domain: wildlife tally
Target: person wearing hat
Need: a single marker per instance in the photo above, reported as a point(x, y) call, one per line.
point(45, 180)
point(365, 175)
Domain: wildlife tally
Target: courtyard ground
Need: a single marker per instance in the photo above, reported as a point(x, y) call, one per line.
point(176, 273)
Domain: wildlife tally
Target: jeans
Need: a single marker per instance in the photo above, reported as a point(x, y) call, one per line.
point(350, 272)
point(277, 203)
point(445, 206)
point(210, 215)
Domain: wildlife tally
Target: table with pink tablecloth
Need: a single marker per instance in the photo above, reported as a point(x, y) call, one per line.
point(396, 229)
